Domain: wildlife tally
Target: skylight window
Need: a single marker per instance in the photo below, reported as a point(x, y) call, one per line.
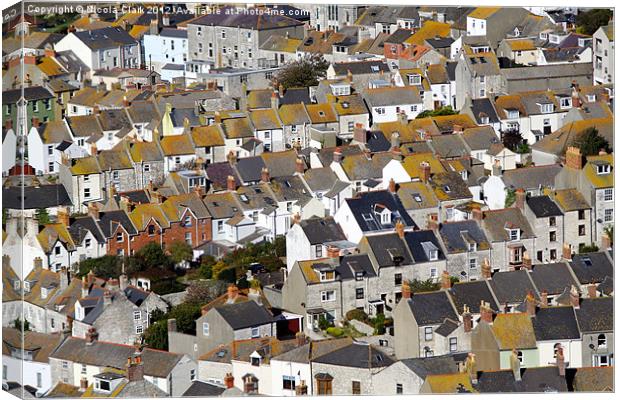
point(603, 169)
point(587, 261)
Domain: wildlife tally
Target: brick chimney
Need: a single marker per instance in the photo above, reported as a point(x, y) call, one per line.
point(468, 320)
point(275, 100)
point(135, 368)
point(530, 301)
point(544, 295)
point(63, 216)
point(93, 149)
point(406, 290)
point(93, 210)
point(35, 122)
point(172, 325)
point(8, 124)
point(515, 365)
point(300, 167)
point(296, 218)
point(231, 157)
point(337, 156)
point(574, 297)
point(231, 185)
point(49, 52)
point(456, 128)
point(399, 227)
point(360, 134)
point(425, 171)
point(432, 222)
point(125, 102)
point(264, 175)
point(85, 287)
point(566, 252)
point(573, 158)
point(446, 283)
point(392, 186)
point(91, 335)
point(476, 214)
point(575, 99)
point(485, 269)
point(229, 380)
point(486, 313)
point(592, 291)
point(333, 253)
point(527, 260)
point(605, 241)
point(520, 199)
point(30, 59)
point(232, 292)
point(559, 357)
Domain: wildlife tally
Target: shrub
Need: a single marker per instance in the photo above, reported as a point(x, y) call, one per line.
point(334, 331)
point(357, 314)
point(323, 323)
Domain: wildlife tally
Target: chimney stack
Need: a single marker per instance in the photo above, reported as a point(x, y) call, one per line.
point(35, 122)
point(300, 168)
point(432, 222)
point(333, 253)
point(395, 140)
point(402, 117)
point(425, 171)
point(107, 298)
point(397, 153)
point(486, 313)
point(301, 389)
point(125, 101)
point(559, 356)
point(264, 175)
point(530, 301)
point(359, 134)
point(566, 252)
point(231, 184)
point(64, 279)
point(337, 155)
point(232, 292)
point(485, 269)
point(527, 260)
point(392, 186)
point(573, 159)
point(229, 380)
point(91, 335)
point(592, 291)
point(231, 157)
point(93, 210)
point(496, 169)
point(135, 368)
point(406, 290)
point(476, 214)
point(468, 320)
point(575, 99)
point(275, 100)
point(446, 282)
point(85, 287)
point(515, 365)
point(574, 297)
point(544, 295)
point(399, 227)
point(520, 199)
point(301, 339)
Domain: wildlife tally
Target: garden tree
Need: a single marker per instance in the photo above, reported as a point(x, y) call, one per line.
point(180, 251)
point(186, 314)
point(423, 286)
point(152, 255)
point(303, 72)
point(243, 283)
point(609, 231)
point(588, 22)
point(228, 275)
point(280, 246)
point(203, 292)
point(584, 248)
point(447, 110)
point(511, 197)
point(217, 268)
point(590, 142)
point(105, 267)
point(156, 335)
point(512, 140)
point(43, 217)
point(22, 326)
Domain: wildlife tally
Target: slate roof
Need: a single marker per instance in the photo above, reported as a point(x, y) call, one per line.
point(591, 267)
point(30, 93)
point(497, 222)
point(354, 263)
point(109, 219)
point(245, 20)
point(389, 249)
point(592, 379)
point(431, 365)
point(249, 168)
point(511, 286)
point(471, 294)
point(80, 226)
point(543, 206)
point(322, 230)
point(431, 308)
point(365, 206)
point(105, 38)
point(555, 323)
point(203, 389)
point(596, 315)
point(554, 277)
point(458, 235)
point(392, 96)
point(360, 67)
point(218, 175)
point(156, 363)
point(541, 379)
point(484, 107)
point(419, 243)
point(244, 315)
point(531, 177)
point(42, 196)
point(356, 355)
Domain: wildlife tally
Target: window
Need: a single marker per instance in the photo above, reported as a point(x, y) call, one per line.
point(151, 230)
point(609, 195)
point(565, 102)
point(188, 238)
point(86, 193)
point(473, 247)
point(220, 226)
point(399, 388)
point(433, 255)
point(255, 361)
point(482, 80)
point(609, 215)
point(582, 230)
point(177, 160)
point(223, 34)
point(520, 356)
point(205, 329)
point(318, 251)
point(453, 345)
point(359, 276)
point(324, 386)
point(57, 250)
point(139, 329)
point(39, 380)
point(50, 150)
point(328, 295)
point(35, 106)
point(359, 293)
point(482, 92)
point(552, 236)
point(473, 263)
point(255, 332)
point(581, 214)
point(414, 79)
point(551, 221)
point(137, 315)
point(356, 387)
point(601, 340)
point(119, 237)
point(288, 382)
point(514, 234)
point(83, 369)
point(192, 374)
point(351, 126)
point(65, 364)
point(433, 272)
point(428, 333)
point(601, 360)
point(398, 279)
point(603, 169)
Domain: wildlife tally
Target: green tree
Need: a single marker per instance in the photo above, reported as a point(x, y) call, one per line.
point(43, 217)
point(588, 22)
point(22, 326)
point(609, 231)
point(203, 292)
point(103, 267)
point(180, 251)
point(512, 140)
point(156, 335)
point(587, 248)
point(280, 246)
point(186, 315)
point(152, 255)
point(428, 285)
point(379, 324)
point(590, 142)
point(447, 110)
point(511, 197)
point(303, 72)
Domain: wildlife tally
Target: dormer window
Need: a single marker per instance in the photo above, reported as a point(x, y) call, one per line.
point(543, 35)
point(513, 114)
point(473, 246)
point(603, 169)
point(514, 234)
point(374, 68)
point(414, 79)
point(591, 98)
point(546, 108)
point(484, 120)
point(432, 252)
point(565, 102)
point(326, 276)
point(386, 217)
point(359, 276)
point(16, 285)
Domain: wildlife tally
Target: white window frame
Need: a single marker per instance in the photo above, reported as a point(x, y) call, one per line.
point(205, 329)
point(325, 296)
